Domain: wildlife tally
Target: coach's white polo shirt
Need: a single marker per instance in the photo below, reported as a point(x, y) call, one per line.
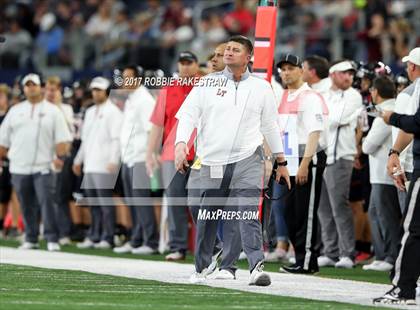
point(310, 111)
point(301, 112)
point(100, 138)
point(377, 144)
point(323, 86)
point(233, 118)
point(31, 132)
point(68, 114)
point(136, 126)
point(406, 103)
point(344, 108)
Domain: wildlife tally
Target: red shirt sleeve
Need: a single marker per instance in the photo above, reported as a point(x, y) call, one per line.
point(158, 115)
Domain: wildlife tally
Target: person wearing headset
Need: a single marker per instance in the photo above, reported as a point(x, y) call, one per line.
point(30, 135)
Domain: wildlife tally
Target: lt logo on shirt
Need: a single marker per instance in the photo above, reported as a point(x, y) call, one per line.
point(221, 92)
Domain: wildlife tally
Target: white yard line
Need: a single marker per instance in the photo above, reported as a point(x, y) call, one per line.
point(300, 286)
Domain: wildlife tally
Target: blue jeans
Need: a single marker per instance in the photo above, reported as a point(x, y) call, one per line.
point(277, 207)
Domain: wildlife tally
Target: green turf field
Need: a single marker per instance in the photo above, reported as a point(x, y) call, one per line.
point(356, 274)
point(31, 288)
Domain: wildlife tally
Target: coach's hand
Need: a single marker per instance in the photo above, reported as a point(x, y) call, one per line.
point(302, 173)
point(151, 164)
point(282, 172)
point(393, 166)
point(58, 164)
point(112, 168)
point(77, 169)
point(181, 152)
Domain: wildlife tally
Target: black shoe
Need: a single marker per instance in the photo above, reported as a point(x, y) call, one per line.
point(297, 269)
point(77, 233)
point(394, 297)
point(12, 234)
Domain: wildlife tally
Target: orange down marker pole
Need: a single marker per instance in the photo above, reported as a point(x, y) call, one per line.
point(265, 37)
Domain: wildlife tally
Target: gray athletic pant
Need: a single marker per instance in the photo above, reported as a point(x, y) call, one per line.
point(35, 194)
point(136, 184)
point(385, 220)
point(99, 187)
point(194, 193)
point(175, 185)
point(335, 214)
point(242, 193)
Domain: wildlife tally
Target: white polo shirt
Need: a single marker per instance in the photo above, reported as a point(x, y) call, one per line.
point(301, 112)
point(234, 118)
point(323, 86)
point(309, 111)
point(377, 144)
point(405, 104)
point(68, 114)
point(31, 132)
point(136, 126)
point(344, 108)
point(100, 138)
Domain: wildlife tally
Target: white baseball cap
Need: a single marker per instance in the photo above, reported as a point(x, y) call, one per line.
point(99, 82)
point(341, 67)
point(31, 77)
point(413, 56)
point(47, 21)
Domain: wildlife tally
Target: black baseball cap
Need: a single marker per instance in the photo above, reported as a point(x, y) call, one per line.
point(290, 59)
point(188, 56)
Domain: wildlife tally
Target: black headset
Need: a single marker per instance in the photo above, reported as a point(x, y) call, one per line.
point(109, 88)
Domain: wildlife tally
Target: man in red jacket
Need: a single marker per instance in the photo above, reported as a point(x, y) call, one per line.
point(163, 135)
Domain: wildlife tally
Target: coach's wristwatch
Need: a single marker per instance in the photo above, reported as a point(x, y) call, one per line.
point(282, 162)
point(393, 151)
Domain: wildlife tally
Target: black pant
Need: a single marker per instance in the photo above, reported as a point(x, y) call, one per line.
point(301, 215)
point(407, 267)
point(62, 196)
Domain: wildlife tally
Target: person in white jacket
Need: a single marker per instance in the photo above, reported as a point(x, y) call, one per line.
point(234, 116)
point(335, 215)
point(136, 182)
point(32, 134)
point(384, 211)
point(100, 154)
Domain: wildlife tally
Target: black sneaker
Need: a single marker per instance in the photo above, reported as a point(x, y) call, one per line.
point(393, 297)
point(12, 234)
point(297, 269)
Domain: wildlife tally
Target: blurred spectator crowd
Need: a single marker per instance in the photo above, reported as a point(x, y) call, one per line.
point(103, 34)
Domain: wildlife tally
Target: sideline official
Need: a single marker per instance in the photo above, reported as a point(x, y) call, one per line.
point(301, 115)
